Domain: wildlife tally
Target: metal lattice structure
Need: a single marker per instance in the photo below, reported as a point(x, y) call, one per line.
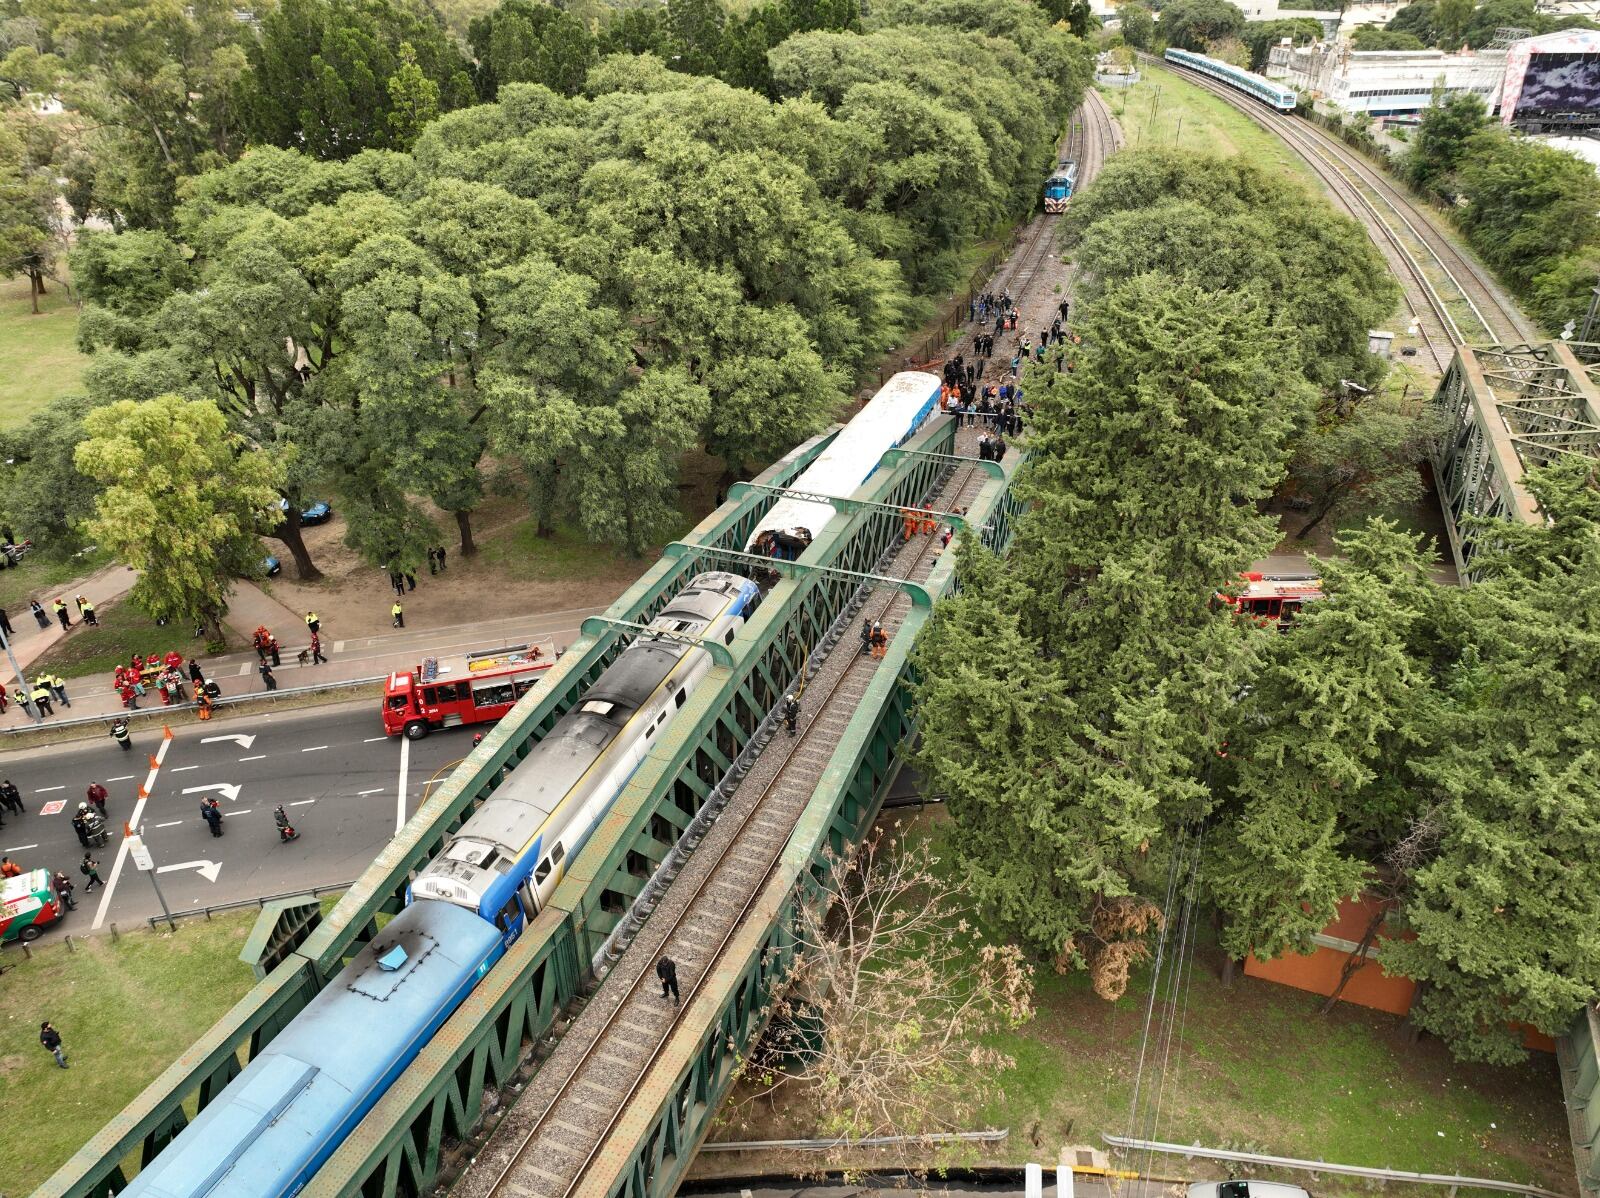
point(398, 1148)
point(1511, 409)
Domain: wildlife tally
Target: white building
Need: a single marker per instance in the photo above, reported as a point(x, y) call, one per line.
point(1384, 82)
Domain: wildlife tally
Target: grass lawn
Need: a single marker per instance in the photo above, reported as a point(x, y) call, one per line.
point(518, 553)
point(1164, 110)
point(125, 1011)
point(124, 630)
point(44, 578)
point(39, 358)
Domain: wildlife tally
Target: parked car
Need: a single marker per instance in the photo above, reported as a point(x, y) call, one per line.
point(319, 512)
point(271, 566)
point(1244, 1189)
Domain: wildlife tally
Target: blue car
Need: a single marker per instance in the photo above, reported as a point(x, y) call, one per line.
point(271, 566)
point(319, 512)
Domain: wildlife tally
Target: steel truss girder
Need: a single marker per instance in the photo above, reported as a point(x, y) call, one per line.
point(799, 569)
point(598, 626)
point(739, 490)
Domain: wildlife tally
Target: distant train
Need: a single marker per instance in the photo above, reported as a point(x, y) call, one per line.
point(888, 419)
point(1059, 186)
point(1274, 94)
point(280, 1120)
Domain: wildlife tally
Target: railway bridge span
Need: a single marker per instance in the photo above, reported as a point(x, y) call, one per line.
point(718, 836)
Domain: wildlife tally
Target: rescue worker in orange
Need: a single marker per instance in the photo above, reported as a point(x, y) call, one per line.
point(910, 518)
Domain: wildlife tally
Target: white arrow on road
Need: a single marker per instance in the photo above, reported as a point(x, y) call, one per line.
point(229, 791)
point(243, 739)
point(208, 869)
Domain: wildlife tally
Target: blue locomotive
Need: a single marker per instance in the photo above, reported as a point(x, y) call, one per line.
point(280, 1120)
point(1059, 186)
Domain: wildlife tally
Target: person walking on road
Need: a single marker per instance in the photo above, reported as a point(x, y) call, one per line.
point(286, 831)
point(51, 1039)
point(397, 615)
point(38, 613)
point(316, 650)
point(90, 868)
point(211, 812)
point(11, 797)
point(119, 733)
point(266, 676)
point(275, 650)
point(667, 971)
point(63, 889)
point(98, 795)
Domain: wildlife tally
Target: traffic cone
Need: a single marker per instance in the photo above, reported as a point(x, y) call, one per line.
point(166, 731)
point(143, 793)
point(154, 764)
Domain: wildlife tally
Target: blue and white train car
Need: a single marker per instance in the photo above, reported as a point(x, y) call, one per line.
point(280, 1120)
point(889, 418)
point(1274, 94)
point(283, 1117)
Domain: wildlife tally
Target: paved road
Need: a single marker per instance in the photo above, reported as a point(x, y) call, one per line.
point(347, 788)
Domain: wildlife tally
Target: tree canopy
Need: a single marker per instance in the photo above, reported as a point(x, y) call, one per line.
point(1195, 24)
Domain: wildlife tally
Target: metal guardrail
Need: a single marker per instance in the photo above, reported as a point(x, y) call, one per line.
point(158, 714)
point(938, 1137)
point(1290, 1162)
point(260, 902)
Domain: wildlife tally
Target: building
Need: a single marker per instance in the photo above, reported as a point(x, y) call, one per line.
point(1552, 82)
point(1385, 82)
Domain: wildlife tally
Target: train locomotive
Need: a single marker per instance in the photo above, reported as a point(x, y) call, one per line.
point(1058, 188)
point(888, 419)
point(280, 1120)
point(1274, 95)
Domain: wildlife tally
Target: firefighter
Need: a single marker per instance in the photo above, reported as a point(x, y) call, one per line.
point(119, 733)
point(880, 640)
point(909, 518)
point(791, 714)
point(926, 523)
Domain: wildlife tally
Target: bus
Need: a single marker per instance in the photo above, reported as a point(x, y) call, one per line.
point(417, 701)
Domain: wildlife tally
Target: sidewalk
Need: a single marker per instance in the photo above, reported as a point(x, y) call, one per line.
point(349, 660)
point(30, 641)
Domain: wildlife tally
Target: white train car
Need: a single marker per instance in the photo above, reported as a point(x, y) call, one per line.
point(889, 418)
point(1273, 94)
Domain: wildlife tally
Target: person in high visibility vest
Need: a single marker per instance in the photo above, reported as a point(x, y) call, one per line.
point(397, 613)
point(41, 697)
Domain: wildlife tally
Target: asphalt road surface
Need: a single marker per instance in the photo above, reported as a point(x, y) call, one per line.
point(346, 787)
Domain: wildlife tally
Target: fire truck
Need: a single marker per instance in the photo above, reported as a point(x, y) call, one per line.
point(1272, 597)
point(417, 701)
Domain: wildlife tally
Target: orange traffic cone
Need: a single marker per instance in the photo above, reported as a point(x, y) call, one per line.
point(154, 764)
point(166, 731)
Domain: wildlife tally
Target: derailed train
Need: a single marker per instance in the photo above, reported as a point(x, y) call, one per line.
point(281, 1119)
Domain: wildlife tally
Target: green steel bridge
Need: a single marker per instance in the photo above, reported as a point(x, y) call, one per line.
point(718, 783)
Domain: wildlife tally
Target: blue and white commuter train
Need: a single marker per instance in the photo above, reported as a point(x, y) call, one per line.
point(280, 1120)
point(890, 417)
point(1275, 94)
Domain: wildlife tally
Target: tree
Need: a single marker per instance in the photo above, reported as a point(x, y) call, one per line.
point(1450, 20)
point(43, 490)
point(1370, 457)
point(1195, 24)
point(1138, 26)
point(1440, 143)
point(882, 1023)
point(522, 41)
point(1528, 205)
point(322, 70)
point(1371, 37)
point(1416, 19)
point(1260, 36)
point(183, 497)
point(30, 221)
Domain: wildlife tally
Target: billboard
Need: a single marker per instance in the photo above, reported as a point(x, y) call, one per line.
point(1552, 76)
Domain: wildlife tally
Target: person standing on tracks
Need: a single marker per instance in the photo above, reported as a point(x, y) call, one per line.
point(791, 714)
point(667, 971)
point(866, 636)
point(880, 640)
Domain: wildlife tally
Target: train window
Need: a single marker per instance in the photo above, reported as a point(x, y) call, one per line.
point(650, 731)
point(543, 871)
point(509, 914)
point(557, 853)
point(682, 696)
point(728, 640)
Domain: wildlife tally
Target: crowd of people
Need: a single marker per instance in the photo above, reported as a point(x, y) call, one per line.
point(999, 404)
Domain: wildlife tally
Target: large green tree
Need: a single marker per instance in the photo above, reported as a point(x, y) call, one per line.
point(1440, 144)
point(1195, 24)
point(183, 497)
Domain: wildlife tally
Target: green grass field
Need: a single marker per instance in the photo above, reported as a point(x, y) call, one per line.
point(1164, 110)
point(124, 630)
point(39, 358)
point(45, 578)
point(125, 1010)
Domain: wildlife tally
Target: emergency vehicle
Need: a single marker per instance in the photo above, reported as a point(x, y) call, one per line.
point(1274, 597)
point(28, 905)
point(417, 701)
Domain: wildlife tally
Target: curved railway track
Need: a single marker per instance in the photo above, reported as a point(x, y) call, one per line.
point(1452, 297)
point(602, 1066)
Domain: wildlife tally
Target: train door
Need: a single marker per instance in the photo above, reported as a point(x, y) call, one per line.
point(510, 921)
point(547, 873)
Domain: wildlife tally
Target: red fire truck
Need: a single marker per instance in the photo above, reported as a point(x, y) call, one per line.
point(1274, 597)
point(417, 701)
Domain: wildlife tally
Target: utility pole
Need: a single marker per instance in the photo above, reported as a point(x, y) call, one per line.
point(22, 682)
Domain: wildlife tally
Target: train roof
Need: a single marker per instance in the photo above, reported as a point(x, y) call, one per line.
point(285, 1110)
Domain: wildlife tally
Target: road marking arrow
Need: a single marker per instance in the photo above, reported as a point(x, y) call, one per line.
point(208, 869)
point(243, 739)
point(229, 791)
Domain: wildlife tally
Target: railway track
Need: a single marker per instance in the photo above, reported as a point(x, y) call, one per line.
point(1452, 297)
point(605, 1057)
